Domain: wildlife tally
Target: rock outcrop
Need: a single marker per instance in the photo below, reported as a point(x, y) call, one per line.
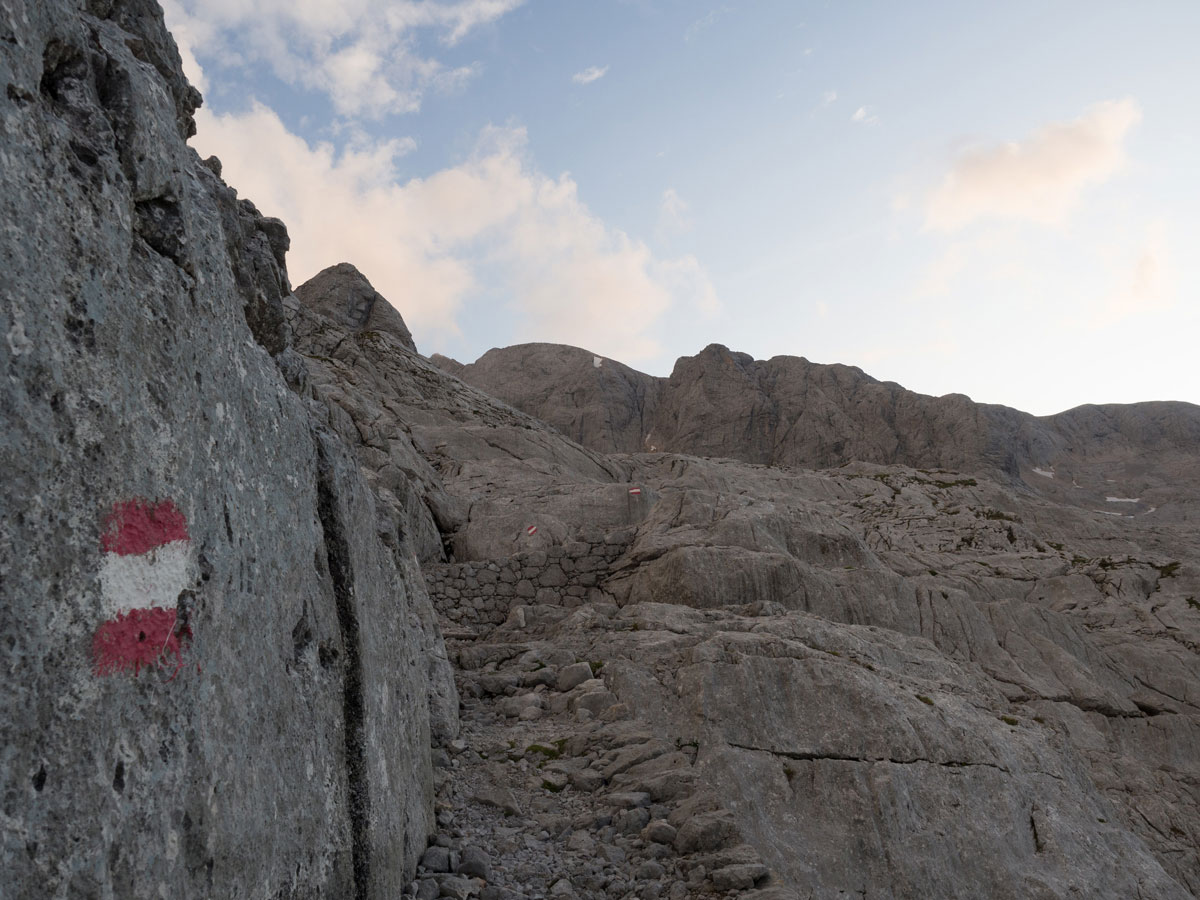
point(788, 411)
point(869, 680)
point(218, 674)
point(594, 401)
point(343, 294)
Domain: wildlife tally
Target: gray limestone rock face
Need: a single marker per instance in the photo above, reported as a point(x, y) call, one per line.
point(789, 411)
point(595, 401)
point(343, 294)
point(217, 682)
point(447, 364)
point(877, 680)
point(871, 659)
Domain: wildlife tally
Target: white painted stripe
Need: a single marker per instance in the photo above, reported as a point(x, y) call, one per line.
point(1123, 499)
point(1043, 472)
point(143, 580)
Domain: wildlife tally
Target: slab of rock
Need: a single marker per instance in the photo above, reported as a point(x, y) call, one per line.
point(474, 862)
point(739, 877)
point(223, 689)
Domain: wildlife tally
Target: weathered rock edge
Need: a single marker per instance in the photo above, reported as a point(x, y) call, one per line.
point(146, 359)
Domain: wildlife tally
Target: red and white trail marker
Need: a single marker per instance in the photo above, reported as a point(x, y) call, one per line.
point(146, 565)
point(531, 530)
point(636, 492)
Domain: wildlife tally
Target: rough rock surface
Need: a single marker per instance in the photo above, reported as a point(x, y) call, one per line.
point(680, 676)
point(865, 681)
point(595, 401)
point(788, 411)
point(343, 294)
point(247, 717)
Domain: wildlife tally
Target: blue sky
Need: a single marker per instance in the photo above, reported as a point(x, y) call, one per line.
point(992, 199)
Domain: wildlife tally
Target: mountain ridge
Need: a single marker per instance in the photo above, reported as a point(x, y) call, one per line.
point(789, 411)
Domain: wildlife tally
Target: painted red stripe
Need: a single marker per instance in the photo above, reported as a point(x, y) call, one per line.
point(138, 526)
point(140, 637)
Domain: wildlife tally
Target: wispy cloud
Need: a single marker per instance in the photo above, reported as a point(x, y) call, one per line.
point(361, 53)
point(590, 74)
point(432, 244)
point(673, 216)
point(828, 98)
point(705, 21)
point(864, 116)
point(1039, 179)
point(1147, 285)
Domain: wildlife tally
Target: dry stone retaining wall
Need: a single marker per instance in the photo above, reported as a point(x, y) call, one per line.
point(481, 592)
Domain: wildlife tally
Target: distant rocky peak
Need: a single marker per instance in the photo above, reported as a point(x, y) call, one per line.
point(343, 294)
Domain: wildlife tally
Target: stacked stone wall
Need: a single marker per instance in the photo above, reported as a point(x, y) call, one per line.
point(482, 592)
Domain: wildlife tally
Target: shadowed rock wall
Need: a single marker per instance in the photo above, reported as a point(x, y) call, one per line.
point(215, 673)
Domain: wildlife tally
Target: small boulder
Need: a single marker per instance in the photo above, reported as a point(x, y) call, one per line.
point(707, 831)
point(570, 677)
point(587, 780)
point(650, 870)
point(660, 831)
point(436, 859)
point(738, 878)
point(474, 862)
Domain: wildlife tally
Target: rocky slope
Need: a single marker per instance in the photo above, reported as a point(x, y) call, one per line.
point(217, 673)
point(880, 681)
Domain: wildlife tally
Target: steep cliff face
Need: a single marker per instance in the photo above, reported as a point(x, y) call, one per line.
point(216, 670)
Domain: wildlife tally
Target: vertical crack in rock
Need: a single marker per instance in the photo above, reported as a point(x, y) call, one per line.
point(353, 706)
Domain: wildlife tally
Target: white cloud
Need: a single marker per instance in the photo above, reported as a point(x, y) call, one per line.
point(828, 98)
point(362, 53)
point(1039, 179)
point(590, 74)
point(864, 116)
point(705, 21)
point(673, 218)
point(425, 243)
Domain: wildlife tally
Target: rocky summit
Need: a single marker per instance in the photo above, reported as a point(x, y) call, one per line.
point(292, 611)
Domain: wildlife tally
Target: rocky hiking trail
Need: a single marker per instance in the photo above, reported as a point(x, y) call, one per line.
point(554, 790)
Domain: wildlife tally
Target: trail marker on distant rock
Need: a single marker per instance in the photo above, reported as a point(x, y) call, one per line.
point(636, 492)
point(531, 530)
point(146, 557)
